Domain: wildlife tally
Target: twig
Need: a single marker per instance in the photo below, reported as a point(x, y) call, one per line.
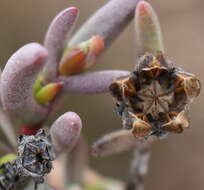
point(139, 168)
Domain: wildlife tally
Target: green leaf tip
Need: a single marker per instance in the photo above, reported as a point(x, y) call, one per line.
point(7, 158)
point(148, 32)
point(95, 187)
point(38, 84)
point(47, 93)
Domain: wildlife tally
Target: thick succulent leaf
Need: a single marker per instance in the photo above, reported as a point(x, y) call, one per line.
point(148, 32)
point(107, 22)
point(55, 39)
point(65, 131)
point(114, 142)
point(90, 83)
point(17, 82)
point(77, 163)
point(119, 141)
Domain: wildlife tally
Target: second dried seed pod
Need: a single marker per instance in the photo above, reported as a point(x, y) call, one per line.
point(154, 99)
point(35, 156)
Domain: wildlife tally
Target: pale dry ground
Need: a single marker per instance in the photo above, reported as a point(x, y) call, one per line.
point(177, 163)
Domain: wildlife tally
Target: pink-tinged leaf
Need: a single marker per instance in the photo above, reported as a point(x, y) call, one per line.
point(65, 131)
point(108, 22)
point(78, 58)
point(60, 28)
point(77, 163)
point(114, 142)
point(120, 141)
point(96, 45)
point(95, 49)
point(90, 83)
point(148, 32)
point(17, 82)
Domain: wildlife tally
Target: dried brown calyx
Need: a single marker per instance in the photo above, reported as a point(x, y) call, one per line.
point(154, 99)
point(8, 176)
point(35, 156)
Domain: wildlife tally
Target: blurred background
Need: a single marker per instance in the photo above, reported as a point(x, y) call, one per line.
point(178, 161)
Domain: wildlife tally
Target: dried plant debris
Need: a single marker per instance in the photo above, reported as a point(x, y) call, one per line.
point(154, 99)
point(35, 156)
point(9, 176)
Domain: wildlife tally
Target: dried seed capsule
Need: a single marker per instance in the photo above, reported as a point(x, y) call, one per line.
point(152, 93)
point(9, 176)
point(35, 156)
point(190, 83)
point(177, 124)
point(140, 128)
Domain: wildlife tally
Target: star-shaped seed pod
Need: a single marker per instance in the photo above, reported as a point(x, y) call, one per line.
point(35, 156)
point(154, 99)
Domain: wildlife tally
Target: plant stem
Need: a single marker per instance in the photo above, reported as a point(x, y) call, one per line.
point(139, 169)
point(7, 128)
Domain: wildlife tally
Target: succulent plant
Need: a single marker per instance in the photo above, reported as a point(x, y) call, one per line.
point(152, 100)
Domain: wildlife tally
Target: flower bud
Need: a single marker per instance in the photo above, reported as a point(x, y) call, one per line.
point(48, 93)
point(78, 58)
